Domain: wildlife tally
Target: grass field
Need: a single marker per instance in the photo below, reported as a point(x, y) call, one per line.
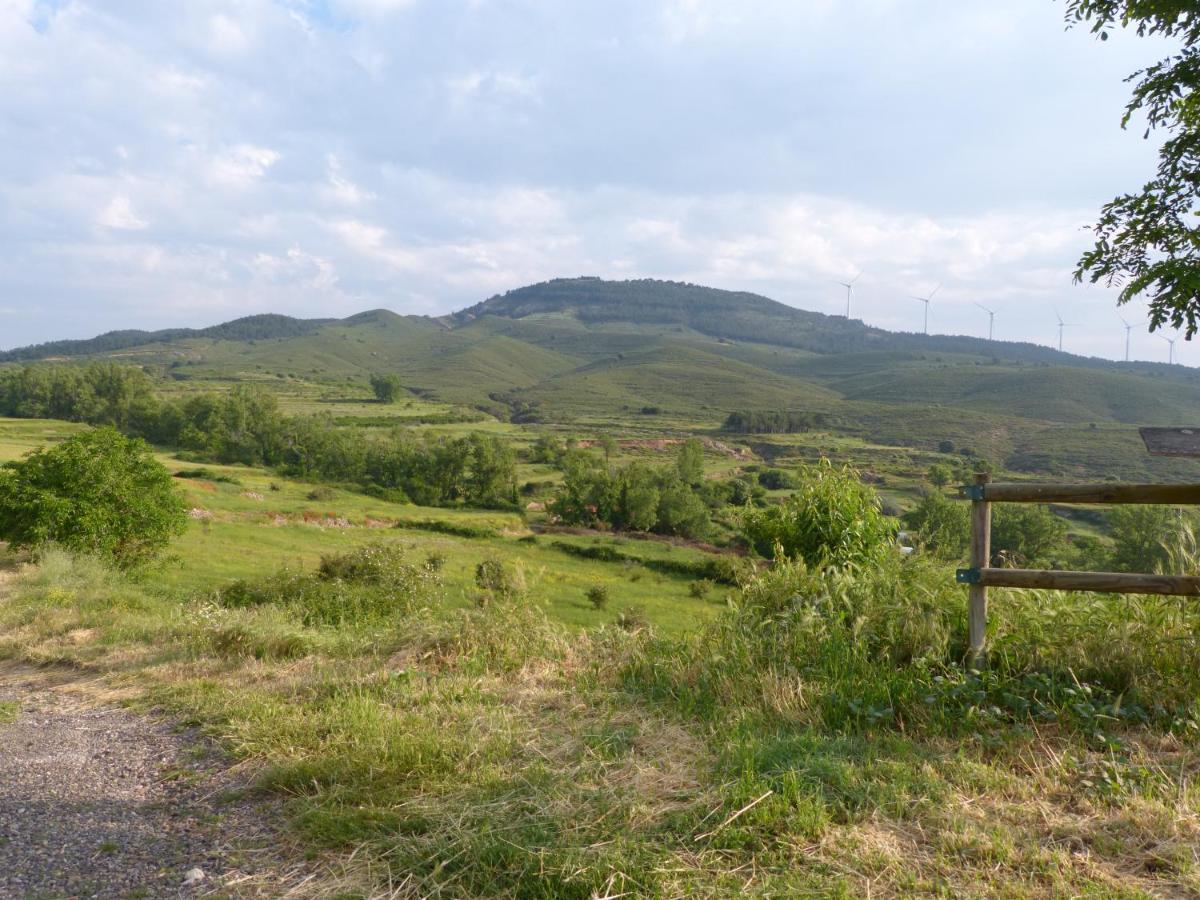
point(811, 735)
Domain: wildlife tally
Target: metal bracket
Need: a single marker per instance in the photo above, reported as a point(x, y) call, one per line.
point(972, 491)
point(967, 576)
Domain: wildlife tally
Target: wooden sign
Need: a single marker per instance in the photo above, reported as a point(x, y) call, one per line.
point(1172, 441)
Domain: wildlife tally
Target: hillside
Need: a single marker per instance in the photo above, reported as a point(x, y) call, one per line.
point(582, 349)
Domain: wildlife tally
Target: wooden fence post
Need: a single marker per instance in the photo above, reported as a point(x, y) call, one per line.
point(981, 558)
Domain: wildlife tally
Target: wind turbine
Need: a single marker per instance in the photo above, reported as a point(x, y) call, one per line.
point(849, 286)
point(991, 318)
point(1171, 352)
point(1128, 328)
point(1061, 326)
point(926, 300)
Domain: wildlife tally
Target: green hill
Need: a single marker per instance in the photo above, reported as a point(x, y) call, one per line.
point(581, 349)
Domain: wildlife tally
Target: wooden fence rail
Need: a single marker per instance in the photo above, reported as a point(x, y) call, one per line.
point(981, 575)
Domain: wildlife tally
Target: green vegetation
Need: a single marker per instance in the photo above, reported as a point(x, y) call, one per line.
point(638, 497)
point(832, 519)
point(387, 388)
point(606, 599)
point(1145, 242)
point(97, 492)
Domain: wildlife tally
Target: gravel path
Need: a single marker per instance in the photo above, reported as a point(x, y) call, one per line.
point(96, 801)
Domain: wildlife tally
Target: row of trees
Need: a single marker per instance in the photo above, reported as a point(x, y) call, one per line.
point(1143, 537)
point(641, 497)
point(246, 426)
point(775, 421)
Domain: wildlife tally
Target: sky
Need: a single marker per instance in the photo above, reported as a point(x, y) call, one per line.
point(182, 164)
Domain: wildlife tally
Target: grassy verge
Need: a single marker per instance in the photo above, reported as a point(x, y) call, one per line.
point(819, 738)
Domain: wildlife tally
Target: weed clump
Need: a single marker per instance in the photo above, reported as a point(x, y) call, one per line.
point(598, 596)
point(496, 582)
point(366, 585)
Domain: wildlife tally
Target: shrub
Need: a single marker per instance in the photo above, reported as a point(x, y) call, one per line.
point(776, 479)
point(597, 595)
point(494, 581)
point(632, 618)
point(366, 585)
point(97, 492)
point(700, 588)
point(831, 519)
point(321, 493)
point(435, 561)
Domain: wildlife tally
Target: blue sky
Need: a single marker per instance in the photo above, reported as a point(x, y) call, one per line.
point(171, 164)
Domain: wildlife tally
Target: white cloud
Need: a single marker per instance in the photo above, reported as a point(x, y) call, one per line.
point(119, 214)
point(242, 165)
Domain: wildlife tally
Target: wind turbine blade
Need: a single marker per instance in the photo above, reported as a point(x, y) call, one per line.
point(855, 278)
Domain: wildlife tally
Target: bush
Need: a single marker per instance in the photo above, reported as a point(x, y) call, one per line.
point(98, 493)
point(831, 519)
point(597, 595)
point(776, 479)
point(632, 618)
point(364, 586)
point(700, 588)
point(321, 493)
point(494, 581)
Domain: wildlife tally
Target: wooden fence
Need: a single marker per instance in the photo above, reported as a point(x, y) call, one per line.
point(981, 575)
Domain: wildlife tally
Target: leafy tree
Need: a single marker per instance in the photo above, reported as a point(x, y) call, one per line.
point(1142, 536)
point(942, 524)
point(1026, 534)
point(492, 480)
point(387, 388)
point(1148, 242)
point(680, 511)
point(98, 492)
point(831, 519)
point(940, 475)
point(586, 495)
point(637, 498)
point(690, 462)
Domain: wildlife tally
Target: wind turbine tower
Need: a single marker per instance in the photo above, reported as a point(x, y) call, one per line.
point(1061, 326)
point(1171, 351)
point(849, 286)
point(1128, 329)
point(991, 319)
point(926, 300)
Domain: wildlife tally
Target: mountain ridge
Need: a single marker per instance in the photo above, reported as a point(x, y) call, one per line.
point(714, 312)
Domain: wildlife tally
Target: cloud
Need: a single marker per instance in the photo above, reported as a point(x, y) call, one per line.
point(174, 164)
point(241, 166)
point(119, 214)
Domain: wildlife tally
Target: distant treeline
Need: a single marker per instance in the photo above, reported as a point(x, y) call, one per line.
point(246, 426)
point(775, 421)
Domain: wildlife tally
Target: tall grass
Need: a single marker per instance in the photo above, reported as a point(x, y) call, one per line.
point(489, 752)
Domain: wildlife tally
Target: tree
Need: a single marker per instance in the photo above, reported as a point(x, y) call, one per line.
point(1148, 242)
point(387, 388)
point(690, 462)
point(943, 525)
point(940, 475)
point(1026, 535)
point(98, 492)
point(1143, 536)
